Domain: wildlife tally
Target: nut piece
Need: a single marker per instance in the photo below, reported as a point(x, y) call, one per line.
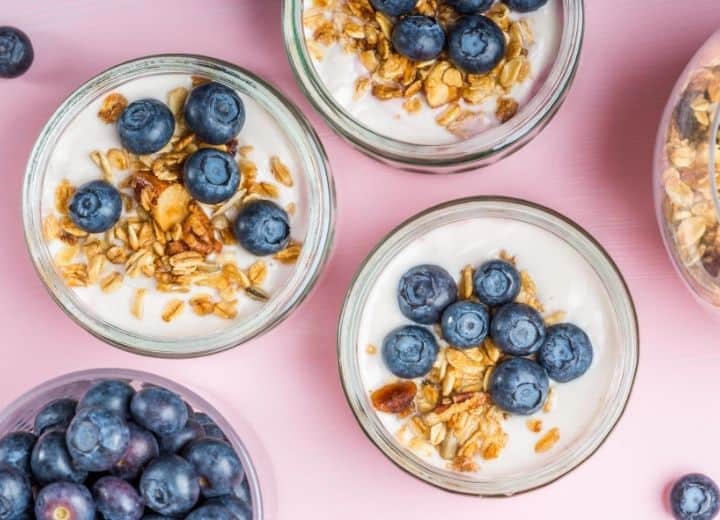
point(112, 107)
point(547, 441)
point(394, 397)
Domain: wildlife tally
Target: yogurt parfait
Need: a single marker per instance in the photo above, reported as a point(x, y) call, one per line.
point(488, 346)
point(177, 205)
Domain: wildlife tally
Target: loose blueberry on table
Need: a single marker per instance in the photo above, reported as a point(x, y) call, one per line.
point(16, 52)
point(695, 497)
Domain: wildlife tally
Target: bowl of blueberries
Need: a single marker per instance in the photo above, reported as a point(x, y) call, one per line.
point(121, 444)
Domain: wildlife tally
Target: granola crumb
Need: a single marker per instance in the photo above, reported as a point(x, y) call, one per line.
point(548, 440)
point(137, 305)
point(534, 425)
point(172, 310)
point(371, 349)
point(112, 107)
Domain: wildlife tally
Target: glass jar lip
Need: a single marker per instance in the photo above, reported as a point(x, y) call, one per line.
point(25, 399)
point(321, 208)
point(447, 158)
point(356, 296)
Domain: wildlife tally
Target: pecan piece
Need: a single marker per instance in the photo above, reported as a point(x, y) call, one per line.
point(198, 231)
point(394, 397)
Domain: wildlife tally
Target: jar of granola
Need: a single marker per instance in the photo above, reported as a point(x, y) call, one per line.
point(686, 172)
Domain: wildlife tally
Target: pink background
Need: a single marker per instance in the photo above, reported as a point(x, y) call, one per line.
point(592, 163)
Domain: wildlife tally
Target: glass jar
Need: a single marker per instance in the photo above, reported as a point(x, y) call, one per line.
point(552, 249)
point(686, 170)
point(20, 414)
point(313, 182)
point(481, 150)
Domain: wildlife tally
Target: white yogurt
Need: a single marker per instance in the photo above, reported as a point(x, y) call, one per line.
point(565, 281)
point(339, 71)
point(70, 160)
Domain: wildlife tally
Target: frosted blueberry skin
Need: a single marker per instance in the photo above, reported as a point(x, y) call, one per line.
point(211, 176)
point(141, 449)
point(418, 37)
point(695, 497)
point(95, 207)
point(159, 410)
point(175, 442)
point(16, 52)
point(215, 113)
point(170, 486)
point(16, 450)
point(51, 462)
point(476, 44)
point(210, 512)
point(96, 439)
point(217, 465)
point(15, 494)
point(424, 292)
point(111, 395)
point(262, 227)
point(496, 283)
point(238, 508)
point(519, 386)
point(394, 7)
point(518, 329)
point(566, 353)
point(55, 414)
point(116, 499)
point(470, 6)
point(525, 6)
point(409, 351)
point(145, 126)
point(64, 500)
point(465, 324)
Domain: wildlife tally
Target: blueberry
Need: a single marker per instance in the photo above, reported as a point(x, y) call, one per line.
point(145, 126)
point(55, 414)
point(15, 494)
point(242, 492)
point(684, 115)
point(16, 449)
point(64, 500)
point(113, 395)
point(496, 283)
point(16, 52)
point(97, 438)
point(159, 410)
point(141, 449)
point(476, 44)
point(115, 499)
point(210, 512)
point(239, 509)
point(191, 412)
point(394, 7)
point(518, 329)
point(418, 37)
point(175, 442)
point(695, 497)
point(170, 486)
point(95, 207)
point(465, 324)
point(203, 418)
point(566, 353)
point(470, 6)
point(217, 465)
point(424, 292)
point(211, 176)
point(409, 351)
point(50, 460)
point(213, 431)
point(215, 113)
point(262, 227)
point(525, 6)
point(519, 385)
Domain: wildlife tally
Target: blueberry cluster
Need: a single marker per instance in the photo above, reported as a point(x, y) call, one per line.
point(121, 454)
point(474, 43)
point(534, 352)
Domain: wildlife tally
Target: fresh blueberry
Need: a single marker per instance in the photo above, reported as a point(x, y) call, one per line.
point(141, 449)
point(695, 497)
point(55, 414)
point(210, 512)
point(525, 6)
point(64, 500)
point(175, 442)
point(16, 450)
point(50, 460)
point(496, 283)
point(211, 176)
point(418, 37)
point(519, 385)
point(409, 351)
point(262, 227)
point(239, 509)
point(566, 353)
point(686, 122)
point(155, 517)
point(145, 126)
point(95, 207)
point(394, 7)
point(242, 492)
point(476, 44)
point(203, 418)
point(518, 329)
point(470, 6)
point(424, 292)
point(115, 499)
point(170, 485)
point(97, 438)
point(15, 494)
point(191, 412)
point(16, 52)
point(110, 394)
point(213, 431)
point(159, 410)
point(465, 324)
point(215, 113)
point(217, 465)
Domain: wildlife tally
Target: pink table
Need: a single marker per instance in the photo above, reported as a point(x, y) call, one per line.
point(283, 389)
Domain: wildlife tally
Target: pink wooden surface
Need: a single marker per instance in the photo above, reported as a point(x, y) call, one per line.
point(592, 163)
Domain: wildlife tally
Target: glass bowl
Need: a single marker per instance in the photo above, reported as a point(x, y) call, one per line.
point(481, 150)
point(315, 189)
point(370, 312)
point(19, 415)
point(685, 178)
